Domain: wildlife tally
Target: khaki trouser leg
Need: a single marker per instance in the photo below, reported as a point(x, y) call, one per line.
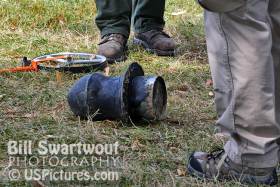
point(239, 45)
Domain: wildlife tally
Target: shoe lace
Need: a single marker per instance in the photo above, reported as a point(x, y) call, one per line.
point(211, 161)
point(215, 154)
point(112, 37)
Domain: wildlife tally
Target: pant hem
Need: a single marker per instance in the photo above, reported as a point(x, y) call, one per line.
point(122, 31)
point(252, 161)
point(146, 29)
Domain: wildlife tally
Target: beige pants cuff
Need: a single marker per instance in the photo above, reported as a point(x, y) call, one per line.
point(239, 155)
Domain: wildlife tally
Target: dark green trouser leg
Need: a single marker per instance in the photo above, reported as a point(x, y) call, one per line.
point(114, 16)
point(148, 15)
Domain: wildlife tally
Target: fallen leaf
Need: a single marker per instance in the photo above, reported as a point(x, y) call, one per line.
point(211, 94)
point(181, 172)
point(136, 145)
point(58, 75)
point(172, 70)
point(174, 149)
point(107, 71)
point(183, 87)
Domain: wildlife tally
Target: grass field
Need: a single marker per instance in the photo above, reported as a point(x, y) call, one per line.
point(33, 106)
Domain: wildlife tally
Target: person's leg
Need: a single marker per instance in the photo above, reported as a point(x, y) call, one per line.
point(148, 22)
point(239, 45)
point(113, 21)
point(251, 115)
point(148, 15)
point(113, 16)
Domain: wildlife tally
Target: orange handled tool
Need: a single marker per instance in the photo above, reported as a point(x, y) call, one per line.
point(73, 62)
point(30, 65)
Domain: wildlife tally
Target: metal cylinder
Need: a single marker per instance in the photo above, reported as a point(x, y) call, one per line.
point(99, 97)
point(133, 95)
point(148, 98)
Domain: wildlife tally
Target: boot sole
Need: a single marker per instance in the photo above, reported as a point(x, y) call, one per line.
point(158, 52)
point(122, 58)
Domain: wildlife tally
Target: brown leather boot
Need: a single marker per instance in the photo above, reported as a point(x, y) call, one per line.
point(113, 47)
point(156, 41)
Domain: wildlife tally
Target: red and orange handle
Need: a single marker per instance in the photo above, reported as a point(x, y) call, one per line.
point(32, 67)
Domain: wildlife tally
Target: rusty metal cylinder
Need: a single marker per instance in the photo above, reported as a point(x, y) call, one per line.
point(148, 98)
point(130, 96)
